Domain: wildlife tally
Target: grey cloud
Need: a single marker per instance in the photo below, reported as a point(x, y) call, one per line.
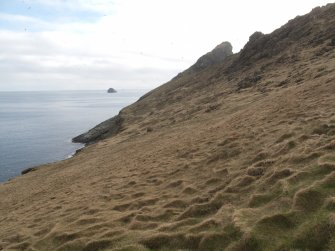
point(37, 60)
point(20, 74)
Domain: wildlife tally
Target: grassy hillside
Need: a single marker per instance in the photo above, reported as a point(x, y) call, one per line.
point(238, 154)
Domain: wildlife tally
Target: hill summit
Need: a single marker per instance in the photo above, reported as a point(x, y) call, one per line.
point(217, 55)
point(236, 153)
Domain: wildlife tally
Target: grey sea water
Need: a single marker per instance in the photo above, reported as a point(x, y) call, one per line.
point(37, 127)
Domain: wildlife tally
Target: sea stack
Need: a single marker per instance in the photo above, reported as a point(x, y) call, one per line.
point(111, 90)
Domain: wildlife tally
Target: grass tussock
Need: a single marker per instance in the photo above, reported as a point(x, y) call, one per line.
point(276, 221)
point(257, 200)
point(330, 204)
point(172, 241)
point(307, 200)
point(315, 236)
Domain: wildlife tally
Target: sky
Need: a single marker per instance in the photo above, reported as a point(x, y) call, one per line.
point(124, 44)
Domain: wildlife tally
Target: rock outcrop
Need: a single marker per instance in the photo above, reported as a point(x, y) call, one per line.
point(111, 90)
point(28, 170)
point(104, 130)
point(217, 55)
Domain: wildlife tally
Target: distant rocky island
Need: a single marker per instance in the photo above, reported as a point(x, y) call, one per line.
point(111, 90)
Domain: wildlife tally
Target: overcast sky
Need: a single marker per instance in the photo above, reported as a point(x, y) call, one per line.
point(96, 44)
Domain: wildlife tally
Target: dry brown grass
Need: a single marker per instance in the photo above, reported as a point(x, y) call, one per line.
point(220, 168)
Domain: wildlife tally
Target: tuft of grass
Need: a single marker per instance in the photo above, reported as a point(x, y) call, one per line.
point(308, 200)
point(172, 241)
point(328, 182)
point(97, 245)
point(205, 226)
point(277, 222)
point(296, 231)
point(257, 200)
point(327, 158)
point(75, 245)
point(255, 171)
point(134, 247)
point(330, 204)
point(280, 174)
point(314, 237)
point(246, 243)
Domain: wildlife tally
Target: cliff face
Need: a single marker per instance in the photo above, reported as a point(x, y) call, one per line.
point(234, 154)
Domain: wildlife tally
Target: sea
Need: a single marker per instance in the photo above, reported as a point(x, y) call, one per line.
point(37, 127)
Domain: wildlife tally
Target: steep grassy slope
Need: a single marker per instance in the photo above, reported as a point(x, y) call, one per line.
point(238, 155)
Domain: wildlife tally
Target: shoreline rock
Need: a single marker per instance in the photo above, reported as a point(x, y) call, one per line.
point(28, 170)
point(103, 130)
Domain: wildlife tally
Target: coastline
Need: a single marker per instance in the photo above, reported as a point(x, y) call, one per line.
point(39, 128)
point(73, 153)
point(34, 168)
